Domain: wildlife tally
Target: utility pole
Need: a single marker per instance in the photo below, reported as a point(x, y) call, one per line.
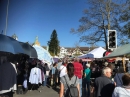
point(6, 17)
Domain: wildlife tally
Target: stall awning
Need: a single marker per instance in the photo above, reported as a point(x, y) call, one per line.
point(120, 51)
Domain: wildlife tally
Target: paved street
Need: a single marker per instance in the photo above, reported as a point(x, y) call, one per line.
point(45, 92)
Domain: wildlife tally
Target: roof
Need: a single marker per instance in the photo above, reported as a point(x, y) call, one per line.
point(81, 48)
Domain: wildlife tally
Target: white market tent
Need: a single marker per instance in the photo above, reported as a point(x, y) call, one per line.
point(96, 53)
point(82, 56)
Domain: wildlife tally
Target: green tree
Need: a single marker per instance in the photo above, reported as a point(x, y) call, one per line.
point(99, 17)
point(54, 44)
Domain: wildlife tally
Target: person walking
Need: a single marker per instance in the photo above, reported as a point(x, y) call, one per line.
point(65, 63)
point(54, 74)
point(68, 78)
point(78, 71)
point(104, 86)
point(118, 77)
point(62, 70)
point(59, 64)
point(123, 91)
point(87, 74)
point(46, 74)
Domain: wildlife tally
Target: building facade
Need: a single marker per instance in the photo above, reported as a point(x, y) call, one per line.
point(74, 52)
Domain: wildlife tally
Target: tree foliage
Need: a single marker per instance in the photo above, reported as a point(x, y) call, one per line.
point(53, 44)
point(125, 18)
point(99, 17)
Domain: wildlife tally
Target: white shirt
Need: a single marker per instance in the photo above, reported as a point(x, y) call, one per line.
point(35, 76)
point(121, 92)
point(59, 65)
point(63, 70)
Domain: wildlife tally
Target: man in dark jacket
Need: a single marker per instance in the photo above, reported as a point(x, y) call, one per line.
point(104, 86)
point(7, 78)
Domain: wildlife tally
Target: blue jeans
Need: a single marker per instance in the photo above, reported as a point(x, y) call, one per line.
point(45, 82)
point(80, 84)
point(87, 92)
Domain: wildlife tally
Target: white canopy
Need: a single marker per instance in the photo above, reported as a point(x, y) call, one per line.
point(96, 53)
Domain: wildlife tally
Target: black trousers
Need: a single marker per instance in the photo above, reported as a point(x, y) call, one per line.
point(55, 80)
point(8, 94)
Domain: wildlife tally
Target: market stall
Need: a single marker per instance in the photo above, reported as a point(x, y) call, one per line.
point(122, 51)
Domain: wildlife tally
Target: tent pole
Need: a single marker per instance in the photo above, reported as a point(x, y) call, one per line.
point(123, 61)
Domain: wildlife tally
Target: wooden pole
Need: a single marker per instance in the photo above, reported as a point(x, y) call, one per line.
point(123, 61)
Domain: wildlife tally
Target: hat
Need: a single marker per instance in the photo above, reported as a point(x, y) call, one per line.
point(88, 65)
point(106, 63)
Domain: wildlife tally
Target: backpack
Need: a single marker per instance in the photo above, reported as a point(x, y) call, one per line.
point(72, 89)
point(56, 71)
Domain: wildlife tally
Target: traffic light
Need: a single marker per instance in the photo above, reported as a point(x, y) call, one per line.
point(112, 39)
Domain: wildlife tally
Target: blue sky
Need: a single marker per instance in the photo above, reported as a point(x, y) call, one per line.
point(31, 18)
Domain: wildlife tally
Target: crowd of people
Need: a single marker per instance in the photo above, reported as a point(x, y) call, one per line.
point(74, 77)
point(94, 79)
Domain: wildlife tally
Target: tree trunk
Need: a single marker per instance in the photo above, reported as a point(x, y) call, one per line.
point(105, 35)
point(104, 30)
